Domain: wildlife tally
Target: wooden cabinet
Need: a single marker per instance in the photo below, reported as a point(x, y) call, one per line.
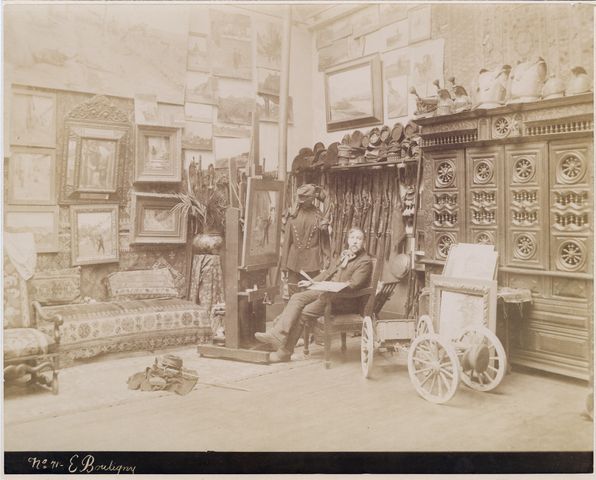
point(520, 177)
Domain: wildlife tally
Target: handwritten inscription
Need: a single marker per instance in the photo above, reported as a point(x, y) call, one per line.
point(80, 464)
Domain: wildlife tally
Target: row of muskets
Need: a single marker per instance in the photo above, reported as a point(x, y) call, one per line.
point(366, 199)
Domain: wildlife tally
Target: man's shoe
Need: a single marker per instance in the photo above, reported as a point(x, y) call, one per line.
point(269, 339)
point(279, 356)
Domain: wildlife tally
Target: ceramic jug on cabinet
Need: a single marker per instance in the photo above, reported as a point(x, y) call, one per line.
point(526, 81)
point(492, 87)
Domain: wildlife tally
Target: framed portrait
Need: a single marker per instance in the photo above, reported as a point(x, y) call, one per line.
point(42, 221)
point(262, 231)
point(154, 221)
point(31, 176)
point(33, 118)
point(456, 303)
point(354, 94)
point(95, 153)
point(94, 234)
point(159, 154)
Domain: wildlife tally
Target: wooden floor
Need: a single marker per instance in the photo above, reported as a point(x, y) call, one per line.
point(298, 406)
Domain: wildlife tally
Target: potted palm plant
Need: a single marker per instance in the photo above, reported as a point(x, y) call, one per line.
point(204, 204)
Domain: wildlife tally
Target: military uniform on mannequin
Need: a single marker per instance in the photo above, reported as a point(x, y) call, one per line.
point(306, 242)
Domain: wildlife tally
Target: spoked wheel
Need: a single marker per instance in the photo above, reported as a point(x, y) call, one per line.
point(424, 325)
point(482, 358)
point(433, 368)
point(367, 346)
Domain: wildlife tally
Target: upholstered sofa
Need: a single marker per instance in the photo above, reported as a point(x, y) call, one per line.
point(144, 313)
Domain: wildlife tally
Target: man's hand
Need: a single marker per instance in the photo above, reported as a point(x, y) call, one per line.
point(304, 283)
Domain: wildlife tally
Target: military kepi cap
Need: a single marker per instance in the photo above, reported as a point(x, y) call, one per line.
point(306, 190)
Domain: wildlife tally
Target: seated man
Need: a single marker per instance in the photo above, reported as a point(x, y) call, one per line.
point(354, 266)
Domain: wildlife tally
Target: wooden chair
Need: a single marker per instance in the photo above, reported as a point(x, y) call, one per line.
point(346, 322)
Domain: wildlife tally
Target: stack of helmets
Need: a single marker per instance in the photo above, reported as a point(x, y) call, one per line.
point(302, 160)
point(319, 150)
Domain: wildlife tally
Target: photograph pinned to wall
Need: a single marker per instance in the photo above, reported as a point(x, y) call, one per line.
point(426, 65)
point(158, 154)
point(263, 222)
point(94, 234)
point(392, 12)
point(33, 118)
point(232, 58)
point(31, 176)
point(201, 88)
point(336, 53)
point(353, 94)
point(198, 135)
point(365, 21)
point(268, 106)
point(146, 110)
point(419, 20)
point(154, 220)
point(198, 112)
point(115, 51)
point(228, 130)
point(268, 81)
point(199, 53)
point(230, 25)
point(199, 20)
point(268, 44)
point(236, 102)
point(42, 221)
point(97, 168)
point(396, 92)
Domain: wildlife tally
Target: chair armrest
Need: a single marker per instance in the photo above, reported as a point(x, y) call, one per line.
point(55, 318)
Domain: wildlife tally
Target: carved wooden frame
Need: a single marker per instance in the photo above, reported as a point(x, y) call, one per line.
point(485, 289)
point(173, 171)
point(96, 120)
point(139, 234)
point(107, 257)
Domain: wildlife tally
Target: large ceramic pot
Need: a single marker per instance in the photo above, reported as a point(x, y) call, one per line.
point(207, 243)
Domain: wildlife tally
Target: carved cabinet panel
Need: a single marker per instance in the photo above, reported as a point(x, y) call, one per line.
point(448, 191)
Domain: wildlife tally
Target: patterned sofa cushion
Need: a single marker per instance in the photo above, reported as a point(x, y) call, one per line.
point(141, 284)
point(21, 342)
point(57, 287)
point(116, 326)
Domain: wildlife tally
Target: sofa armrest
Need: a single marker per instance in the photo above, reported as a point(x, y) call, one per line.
point(56, 319)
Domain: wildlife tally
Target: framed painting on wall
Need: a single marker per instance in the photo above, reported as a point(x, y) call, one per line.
point(354, 94)
point(155, 221)
point(42, 221)
point(94, 234)
point(262, 231)
point(33, 118)
point(93, 164)
point(31, 176)
point(419, 19)
point(159, 154)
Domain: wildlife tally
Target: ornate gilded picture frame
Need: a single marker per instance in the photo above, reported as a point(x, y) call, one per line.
point(154, 221)
point(94, 234)
point(458, 302)
point(159, 155)
point(354, 94)
point(96, 151)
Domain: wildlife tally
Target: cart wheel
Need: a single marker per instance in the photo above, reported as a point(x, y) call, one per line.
point(424, 325)
point(433, 368)
point(482, 358)
point(367, 346)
